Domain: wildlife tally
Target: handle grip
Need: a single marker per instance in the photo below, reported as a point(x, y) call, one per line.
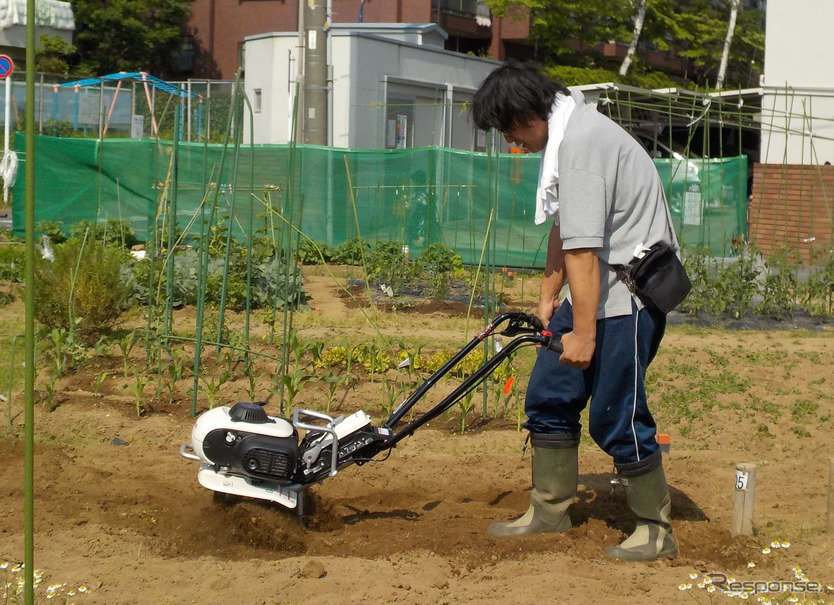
point(555, 345)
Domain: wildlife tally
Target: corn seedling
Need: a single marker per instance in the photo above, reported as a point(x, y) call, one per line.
point(211, 386)
point(253, 375)
point(126, 345)
point(300, 349)
point(520, 416)
point(98, 381)
point(392, 391)
point(50, 390)
point(294, 381)
point(136, 387)
point(333, 381)
point(465, 407)
point(103, 347)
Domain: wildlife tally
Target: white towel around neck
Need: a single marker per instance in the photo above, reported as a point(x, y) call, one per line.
point(547, 193)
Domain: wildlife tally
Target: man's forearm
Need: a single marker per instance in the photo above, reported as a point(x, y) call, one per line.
point(582, 267)
point(554, 268)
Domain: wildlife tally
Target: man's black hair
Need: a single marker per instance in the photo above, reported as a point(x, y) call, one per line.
point(514, 93)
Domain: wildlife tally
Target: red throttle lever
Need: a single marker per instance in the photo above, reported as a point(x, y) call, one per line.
point(552, 344)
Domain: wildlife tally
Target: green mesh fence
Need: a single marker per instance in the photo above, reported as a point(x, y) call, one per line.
point(413, 196)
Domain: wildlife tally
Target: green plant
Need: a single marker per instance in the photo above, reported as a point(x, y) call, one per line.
point(436, 268)
point(294, 381)
point(817, 292)
point(98, 381)
point(388, 264)
point(51, 229)
point(113, 233)
point(779, 286)
point(83, 283)
point(300, 349)
point(136, 387)
point(313, 253)
point(175, 370)
point(212, 384)
point(253, 376)
point(12, 263)
point(736, 284)
point(392, 391)
point(352, 252)
point(465, 408)
point(126, 345)
point(333, 382)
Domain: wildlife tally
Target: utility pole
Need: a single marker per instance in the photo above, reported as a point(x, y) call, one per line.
point(315, 72)
point(299, 77)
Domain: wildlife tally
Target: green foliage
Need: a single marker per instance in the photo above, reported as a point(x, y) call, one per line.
point(53, 55)
point(702, 28)
point(721, 286)
point(313, 253)
point(12, 263)
point(352, 252)
point(114, 233)
point(696, 29)
point(82, 289)
point(779, 286)
point(51, 229)
point(270, 283)
point(129, 35)
point(436, 267)
point(817, 292)
point(389, 265)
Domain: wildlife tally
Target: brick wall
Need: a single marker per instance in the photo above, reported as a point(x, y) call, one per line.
point(792, 206)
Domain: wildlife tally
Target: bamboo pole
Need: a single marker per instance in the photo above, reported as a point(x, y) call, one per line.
point(29, 320)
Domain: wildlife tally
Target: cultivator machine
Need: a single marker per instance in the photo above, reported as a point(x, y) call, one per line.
point(245, 452)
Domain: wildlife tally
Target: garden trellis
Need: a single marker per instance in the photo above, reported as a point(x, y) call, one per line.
point(198, 205)
point(150, 86)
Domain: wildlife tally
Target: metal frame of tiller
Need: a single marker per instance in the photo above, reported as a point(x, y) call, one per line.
point(315, 463)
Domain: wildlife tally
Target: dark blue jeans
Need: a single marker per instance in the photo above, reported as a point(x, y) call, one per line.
point(619, 418)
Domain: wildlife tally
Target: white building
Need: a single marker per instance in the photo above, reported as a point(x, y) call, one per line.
point(798, 102)
point(392, 86)
point(51, 18)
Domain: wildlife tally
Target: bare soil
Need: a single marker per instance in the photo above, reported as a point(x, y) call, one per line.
point(119, 511)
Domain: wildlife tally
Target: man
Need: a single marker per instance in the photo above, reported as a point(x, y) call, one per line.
point(606, 201)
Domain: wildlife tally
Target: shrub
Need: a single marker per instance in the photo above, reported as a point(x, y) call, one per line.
point(351, 252)
point(51, 229)
point(388, 264)
point(96, 298)
point(12, 263)
point(115, 233)
point(312, 253)
point(437, 266)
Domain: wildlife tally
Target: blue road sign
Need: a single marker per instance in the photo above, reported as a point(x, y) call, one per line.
point(6, 66)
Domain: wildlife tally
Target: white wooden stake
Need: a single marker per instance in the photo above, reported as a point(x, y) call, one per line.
point(745, 497)
point(830, 523)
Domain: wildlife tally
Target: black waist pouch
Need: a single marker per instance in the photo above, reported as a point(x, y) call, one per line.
point(658, 279)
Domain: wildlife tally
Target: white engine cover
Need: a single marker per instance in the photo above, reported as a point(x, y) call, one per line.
point(218, 418)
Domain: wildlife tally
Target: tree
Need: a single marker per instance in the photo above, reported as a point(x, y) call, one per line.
point(639, 19)
point(568, 30)
point(129, 35)
point(728, 41)
point(704, 32)
point(53, 55)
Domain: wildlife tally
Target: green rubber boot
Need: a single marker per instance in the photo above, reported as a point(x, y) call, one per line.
point(648, 497)
point(555, 474)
